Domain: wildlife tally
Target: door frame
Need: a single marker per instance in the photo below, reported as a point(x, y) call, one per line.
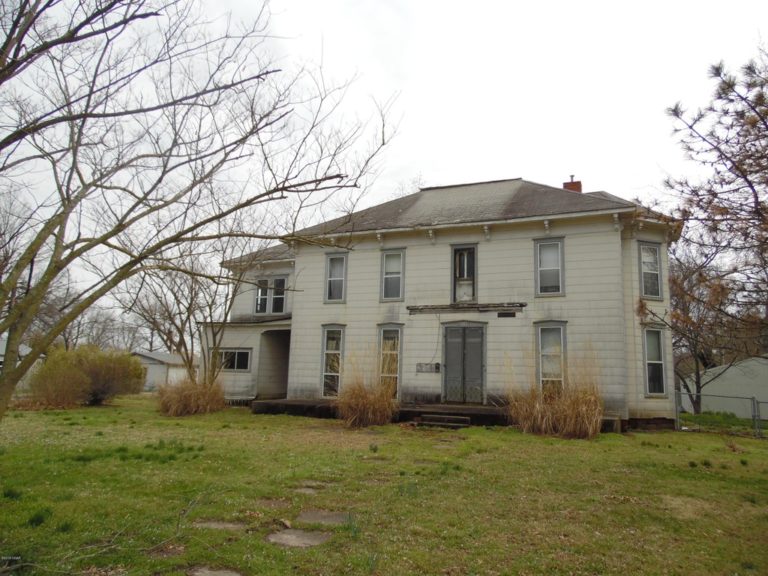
point(464, 324)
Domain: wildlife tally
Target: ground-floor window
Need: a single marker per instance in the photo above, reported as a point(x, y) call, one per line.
point(235, 359)
point(389, 368)
point(550, 343)
point(654, 361)
point(333, 345)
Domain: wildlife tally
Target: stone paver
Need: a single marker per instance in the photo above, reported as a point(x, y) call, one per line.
point(324, 517)
point(219, 525)
point(298, 538)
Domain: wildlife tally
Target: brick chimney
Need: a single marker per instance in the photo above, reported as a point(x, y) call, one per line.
point(573, 185)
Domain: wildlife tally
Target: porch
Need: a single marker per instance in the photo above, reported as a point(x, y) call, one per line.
point(479, 415)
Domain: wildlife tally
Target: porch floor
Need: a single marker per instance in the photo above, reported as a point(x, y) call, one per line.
point(324, 408)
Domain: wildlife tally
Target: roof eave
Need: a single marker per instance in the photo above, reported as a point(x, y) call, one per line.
point(424, 227)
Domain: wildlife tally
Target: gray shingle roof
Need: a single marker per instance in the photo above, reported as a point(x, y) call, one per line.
point(277, 253)
point(468, 203)
point(163, 357)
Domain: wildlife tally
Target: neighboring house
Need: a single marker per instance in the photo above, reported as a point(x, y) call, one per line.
point(23, 351)
point(731, 388)
point(464, 293)
point(161, 368)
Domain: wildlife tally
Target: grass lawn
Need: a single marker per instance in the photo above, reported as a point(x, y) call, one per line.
point(122, 490)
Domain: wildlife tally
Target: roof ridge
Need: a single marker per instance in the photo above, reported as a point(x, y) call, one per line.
point(471, 183)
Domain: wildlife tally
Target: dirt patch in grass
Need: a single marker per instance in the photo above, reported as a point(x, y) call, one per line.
point(686, 508)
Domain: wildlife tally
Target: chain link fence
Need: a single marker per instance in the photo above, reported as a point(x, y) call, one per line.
point(725, 414)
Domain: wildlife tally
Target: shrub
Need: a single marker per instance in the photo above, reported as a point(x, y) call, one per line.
point(575, 411)
point(85, 375)
point(188, 397)
point(59, 382)
point(110, 372)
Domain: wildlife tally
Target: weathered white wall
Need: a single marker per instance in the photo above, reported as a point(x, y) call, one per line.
point(245, 301)
point(640, 404)
point(598, 306)
point(245, 384)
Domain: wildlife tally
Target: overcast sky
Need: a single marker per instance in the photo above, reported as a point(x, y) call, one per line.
point(540, 90)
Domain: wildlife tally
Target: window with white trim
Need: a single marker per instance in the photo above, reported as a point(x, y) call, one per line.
point(389, 367)
point(550, 343)
point(464, 273)
point(650, 270)
point(549, 267)
point(234, 359)
point(333, 346)
point(392, 275)
point(335, 274)
point(269, 296)
point(654, 361)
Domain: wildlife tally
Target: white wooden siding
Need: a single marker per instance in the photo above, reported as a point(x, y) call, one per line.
point(600, 284)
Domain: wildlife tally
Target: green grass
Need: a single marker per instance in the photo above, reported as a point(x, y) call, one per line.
point(120, 492)
point(725, 422)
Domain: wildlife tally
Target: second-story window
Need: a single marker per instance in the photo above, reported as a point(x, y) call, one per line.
point(392, 275)
point(464, 274)
point(262, 296)
point(270, 296)
point(278, 296)
point(650, 269)
point(549, 267)
point(335, 273)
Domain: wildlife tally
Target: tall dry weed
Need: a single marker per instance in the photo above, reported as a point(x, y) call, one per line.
point(367, 395)
point(188, 397)
point(573, 411)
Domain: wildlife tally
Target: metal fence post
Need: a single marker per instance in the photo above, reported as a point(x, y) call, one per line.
point(756, 417)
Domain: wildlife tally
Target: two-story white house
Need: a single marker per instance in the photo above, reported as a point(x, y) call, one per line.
point(467, 291)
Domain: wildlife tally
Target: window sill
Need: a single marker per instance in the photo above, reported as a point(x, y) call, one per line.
point(653, 298)
point(663, 396)
point(334, 301)
point(550, 295)
point(390, 300)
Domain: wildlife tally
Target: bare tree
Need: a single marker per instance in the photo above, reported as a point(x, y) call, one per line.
point(174, 301)
point(131, 127)
point(703, 336)
point(726, 211)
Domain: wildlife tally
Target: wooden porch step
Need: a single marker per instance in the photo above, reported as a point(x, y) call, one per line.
point(445, 421)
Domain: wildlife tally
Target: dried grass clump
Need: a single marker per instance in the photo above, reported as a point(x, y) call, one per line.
point(188, 397)
point(575, 411)
point(360, 405)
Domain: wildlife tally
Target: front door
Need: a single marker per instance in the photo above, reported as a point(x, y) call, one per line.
point(464, 364)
